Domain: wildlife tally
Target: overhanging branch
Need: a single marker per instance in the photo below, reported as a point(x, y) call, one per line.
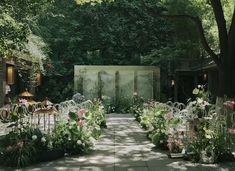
point(198, 23)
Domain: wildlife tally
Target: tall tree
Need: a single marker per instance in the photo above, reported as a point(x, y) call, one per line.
point(225, 58)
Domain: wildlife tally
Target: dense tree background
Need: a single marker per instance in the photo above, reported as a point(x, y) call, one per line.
point(107, 32)
point(17, 18)
point(116, 33)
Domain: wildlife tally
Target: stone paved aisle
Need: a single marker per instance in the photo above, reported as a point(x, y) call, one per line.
point(124, 147)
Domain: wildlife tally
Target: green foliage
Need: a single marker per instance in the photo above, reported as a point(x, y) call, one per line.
point(186, 30)
point(184, 43)
point(108, 33)
point(155, 120)
point(71, 138)
point(16, 21)
point(18, 148)
point(25, 145)
point(159, 139)
point(108, 104)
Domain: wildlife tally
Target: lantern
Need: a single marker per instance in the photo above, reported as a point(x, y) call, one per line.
point(26, 93)
point(172, 82)
point(10, 75)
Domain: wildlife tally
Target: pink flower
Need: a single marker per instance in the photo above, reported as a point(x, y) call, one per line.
point(9, 148)
point(81, 122)
point(81, 112)
point(20, 144)
point(231, 130)
point(230, 104)
point(170, 146)
point(169, 115)
point(170, 140)
point(23, 102)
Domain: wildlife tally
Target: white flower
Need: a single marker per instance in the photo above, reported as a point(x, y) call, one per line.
point(34, 137)
point(43, 139)
point(69, 138)
point(199, 100)
point(92, 140)
point(79, 142)
point(101, 107)
point(208, 136)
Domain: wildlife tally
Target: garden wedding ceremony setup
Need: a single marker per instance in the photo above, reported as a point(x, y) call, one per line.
point(117, 85)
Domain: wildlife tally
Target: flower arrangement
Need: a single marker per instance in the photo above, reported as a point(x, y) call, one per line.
point(25, 145)
point(21, 146)
point(155, 119)
point(197, 108)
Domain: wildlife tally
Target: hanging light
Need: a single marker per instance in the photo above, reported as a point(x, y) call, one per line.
point(205, 76)
point(38, 78)
point(10, 75)
point(172, 82)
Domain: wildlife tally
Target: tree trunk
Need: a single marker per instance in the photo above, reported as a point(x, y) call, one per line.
point(226, 86)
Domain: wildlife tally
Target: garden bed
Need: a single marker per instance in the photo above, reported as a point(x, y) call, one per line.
point(73, 134)
point(193, 132)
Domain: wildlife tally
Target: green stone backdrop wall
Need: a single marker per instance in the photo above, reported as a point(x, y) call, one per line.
point(117, 81)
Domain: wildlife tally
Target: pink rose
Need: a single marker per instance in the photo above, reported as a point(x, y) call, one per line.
point(20, 144)
point(170, 140)
point(81, 122)
point(230, 104)
point(170, 146)
point(169, 115)
point(81, 112)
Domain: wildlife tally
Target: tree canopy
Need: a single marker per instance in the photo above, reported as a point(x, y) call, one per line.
point(108, 33)
point(123, 32)
point(17, 17)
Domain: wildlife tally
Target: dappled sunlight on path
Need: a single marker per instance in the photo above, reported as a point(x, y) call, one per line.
point(123, 146)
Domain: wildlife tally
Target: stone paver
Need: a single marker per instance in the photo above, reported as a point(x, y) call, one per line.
point(123, 146)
